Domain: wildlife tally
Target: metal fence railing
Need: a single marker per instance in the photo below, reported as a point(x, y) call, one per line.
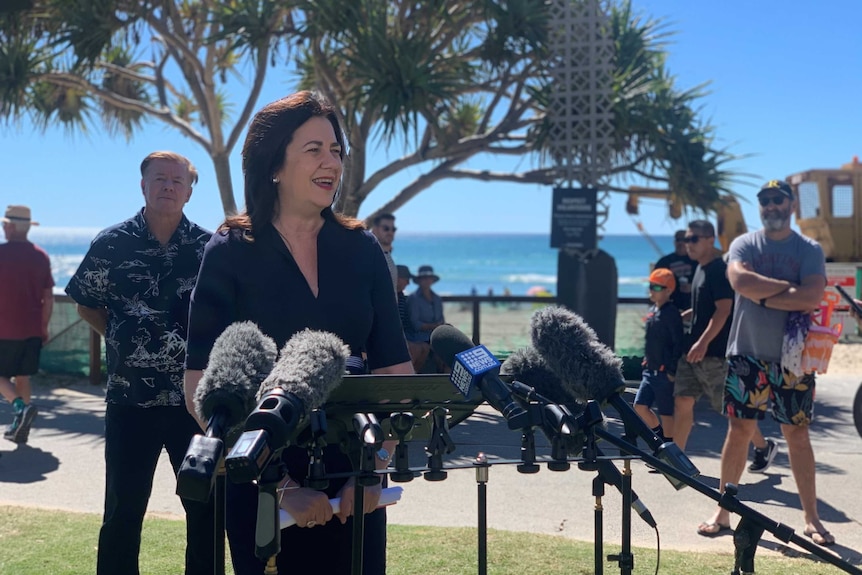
point(501, 323)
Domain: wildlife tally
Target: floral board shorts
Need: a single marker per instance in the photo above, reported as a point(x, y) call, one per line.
point(753, 384)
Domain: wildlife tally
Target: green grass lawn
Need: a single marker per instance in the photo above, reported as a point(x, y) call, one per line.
point(36, 541)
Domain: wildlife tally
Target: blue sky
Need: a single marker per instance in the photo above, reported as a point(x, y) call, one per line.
point(785, 89)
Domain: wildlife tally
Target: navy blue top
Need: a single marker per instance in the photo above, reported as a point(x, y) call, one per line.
point(145, 287)
point(421, 311)
point(260, 281)
point(663, 346)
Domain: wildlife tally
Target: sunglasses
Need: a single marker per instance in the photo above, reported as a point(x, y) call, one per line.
point(693, 239)
point(389, 229)
point(656, 287)
point(777, 200)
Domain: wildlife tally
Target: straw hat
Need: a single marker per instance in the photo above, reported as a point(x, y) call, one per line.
point(426, 272)
point(18, 214)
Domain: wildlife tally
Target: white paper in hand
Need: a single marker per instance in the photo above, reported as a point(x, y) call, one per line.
point(388, 496)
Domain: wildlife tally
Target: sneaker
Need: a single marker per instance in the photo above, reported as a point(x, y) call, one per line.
point(763, 457)
point(19, 430)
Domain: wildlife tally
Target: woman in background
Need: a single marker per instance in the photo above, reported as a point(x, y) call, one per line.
point(425, 310)
point(287, 263)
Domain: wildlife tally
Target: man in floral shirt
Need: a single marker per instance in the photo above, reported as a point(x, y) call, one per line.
point(133, 287)
point(774, 271)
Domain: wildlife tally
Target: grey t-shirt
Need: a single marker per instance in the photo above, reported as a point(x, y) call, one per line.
point(758, 331)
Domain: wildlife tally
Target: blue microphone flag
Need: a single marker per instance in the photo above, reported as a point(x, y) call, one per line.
point(470, 366)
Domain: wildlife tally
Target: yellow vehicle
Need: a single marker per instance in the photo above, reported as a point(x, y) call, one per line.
point(828, 209)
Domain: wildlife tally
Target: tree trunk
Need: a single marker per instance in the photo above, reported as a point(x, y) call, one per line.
point(354, 177)
point(225, 185)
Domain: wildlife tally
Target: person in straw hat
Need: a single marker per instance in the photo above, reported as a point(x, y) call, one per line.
point(26, 302)
point(425, 310)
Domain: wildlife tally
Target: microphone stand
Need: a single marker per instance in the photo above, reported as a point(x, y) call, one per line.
point(401, 425)
point(745, 538)
point(482, 468)
point(754, 520)
point(370, 435)
point(528, 452)
point(317, 441)
point(587, 421)
point(219, 503)
point(439, 444)
point(626, 559)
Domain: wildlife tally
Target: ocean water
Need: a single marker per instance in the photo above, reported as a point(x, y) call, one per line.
point(498, 262)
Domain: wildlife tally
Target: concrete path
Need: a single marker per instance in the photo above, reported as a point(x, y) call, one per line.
point(62, 467)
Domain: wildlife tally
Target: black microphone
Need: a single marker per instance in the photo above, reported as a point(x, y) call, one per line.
point(310, 366)
point(533, 381)
point(241, 357)
point(528, 367)
point(591, 371)
point(475, 365)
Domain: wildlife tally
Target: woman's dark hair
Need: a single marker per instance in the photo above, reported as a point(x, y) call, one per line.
point(270, 132)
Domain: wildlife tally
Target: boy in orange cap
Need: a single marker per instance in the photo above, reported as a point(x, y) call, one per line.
point(662, 351)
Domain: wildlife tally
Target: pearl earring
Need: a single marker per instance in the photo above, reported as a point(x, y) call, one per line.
point(275, 180)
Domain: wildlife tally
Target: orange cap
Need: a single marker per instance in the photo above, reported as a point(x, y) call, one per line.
point(663, 277)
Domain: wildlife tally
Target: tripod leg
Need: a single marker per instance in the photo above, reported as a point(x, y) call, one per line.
point(745, 538)
point(219, 526)
point(598, 526)
point(481, 464)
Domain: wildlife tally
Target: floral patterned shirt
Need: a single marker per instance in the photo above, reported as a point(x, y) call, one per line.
point(146, 289)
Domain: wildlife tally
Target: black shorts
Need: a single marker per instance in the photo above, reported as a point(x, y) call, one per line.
point(19, 356)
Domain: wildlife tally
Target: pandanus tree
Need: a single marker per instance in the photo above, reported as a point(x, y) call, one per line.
point(452, 83)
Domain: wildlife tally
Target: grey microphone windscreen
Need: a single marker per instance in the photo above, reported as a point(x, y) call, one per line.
point(241, 358)
point(310, 366)
point(588, 368)
point(530, 368)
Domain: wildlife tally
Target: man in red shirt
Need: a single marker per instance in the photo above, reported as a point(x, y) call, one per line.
point(26, 302)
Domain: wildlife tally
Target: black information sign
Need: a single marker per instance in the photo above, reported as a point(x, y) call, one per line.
point(573, 218)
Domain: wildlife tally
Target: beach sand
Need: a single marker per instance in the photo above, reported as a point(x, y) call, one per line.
point(503, 329)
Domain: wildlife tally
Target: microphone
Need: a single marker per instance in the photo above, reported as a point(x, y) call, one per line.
point(533, 381)
point(528, 367)
point(241, 357)
point(475, 365)
point(589, 370)
point(310, 366)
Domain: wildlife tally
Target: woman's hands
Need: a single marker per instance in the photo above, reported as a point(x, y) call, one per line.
point(308, 507)
point(371, 500)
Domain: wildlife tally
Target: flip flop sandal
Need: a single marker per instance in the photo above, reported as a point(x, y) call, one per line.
point(822, 538)
point(712, 529)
